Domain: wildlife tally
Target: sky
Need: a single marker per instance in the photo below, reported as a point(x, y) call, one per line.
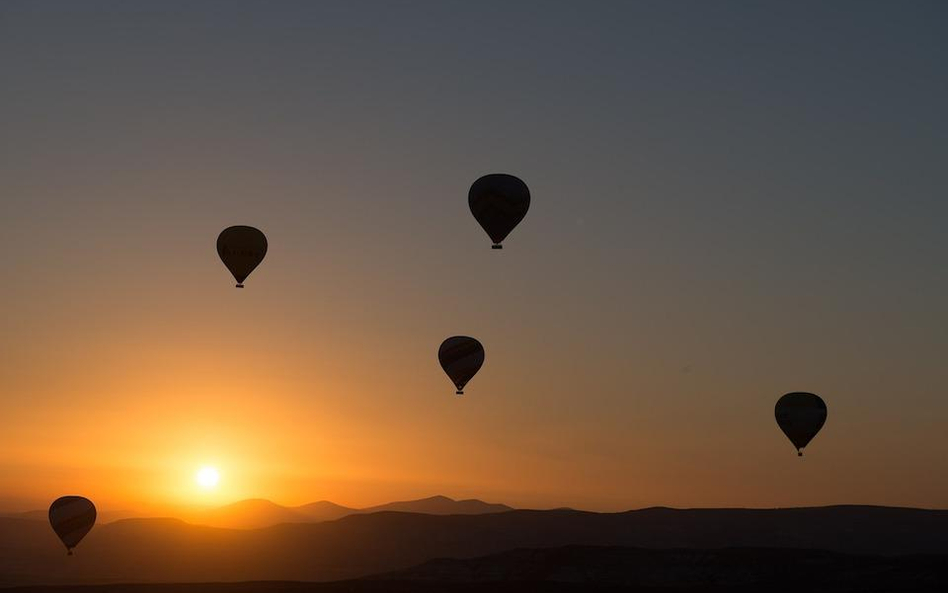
point(730, 201)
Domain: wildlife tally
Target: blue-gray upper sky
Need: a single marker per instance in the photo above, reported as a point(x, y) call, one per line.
point(731, 200)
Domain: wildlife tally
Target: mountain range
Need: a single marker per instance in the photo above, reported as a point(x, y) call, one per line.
point(257, 513)
point(364, 544)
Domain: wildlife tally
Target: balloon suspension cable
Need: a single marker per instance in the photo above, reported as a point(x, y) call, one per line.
point(240, 286)
point(496, 246)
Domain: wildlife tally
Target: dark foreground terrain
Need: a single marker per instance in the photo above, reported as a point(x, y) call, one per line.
point(873, 546)
point(596, 568)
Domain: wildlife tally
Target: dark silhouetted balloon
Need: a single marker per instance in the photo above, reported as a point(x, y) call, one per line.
point(71, 518)
point(499, 202)
point(800, 416)
point(241, 248)
point(461, 357)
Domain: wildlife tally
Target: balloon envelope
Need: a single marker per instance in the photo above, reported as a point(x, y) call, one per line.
point(499, 202)
point(800, 416)
point(241, 248)
point(71, 517)
point(461, 357)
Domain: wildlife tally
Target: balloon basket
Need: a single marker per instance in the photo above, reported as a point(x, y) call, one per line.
point(240, 286)
point(496, 246)
point(458, 392)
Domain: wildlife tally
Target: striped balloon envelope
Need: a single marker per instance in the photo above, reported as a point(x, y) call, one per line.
point(800, 416)
point(71, 518)
point(461, 357)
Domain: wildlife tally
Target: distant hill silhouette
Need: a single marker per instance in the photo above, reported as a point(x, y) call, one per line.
point(166, 550)
point(256, 513)
point(37, 515)
point(324, 511)
point(43, 515)
point(441, 505)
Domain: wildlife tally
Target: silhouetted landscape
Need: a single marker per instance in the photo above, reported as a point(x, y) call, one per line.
point(598, 568)
point(257, 513)
point(655, 547)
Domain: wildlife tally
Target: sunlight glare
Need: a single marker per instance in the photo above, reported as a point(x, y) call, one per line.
point(207, 477)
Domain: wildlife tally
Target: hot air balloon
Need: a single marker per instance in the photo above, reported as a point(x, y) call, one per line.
point(71, 518)
point(461, 357)
point(241, 248)
point(499, 202)
point(800, 416)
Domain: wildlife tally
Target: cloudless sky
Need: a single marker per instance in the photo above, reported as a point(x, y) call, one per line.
point(731, 200)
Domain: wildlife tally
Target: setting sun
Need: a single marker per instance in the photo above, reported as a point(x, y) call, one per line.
point(207, 477)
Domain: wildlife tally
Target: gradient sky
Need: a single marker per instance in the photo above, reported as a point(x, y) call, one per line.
point(731, 200)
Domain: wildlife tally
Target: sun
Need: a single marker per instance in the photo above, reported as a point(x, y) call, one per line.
point(207, 477)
